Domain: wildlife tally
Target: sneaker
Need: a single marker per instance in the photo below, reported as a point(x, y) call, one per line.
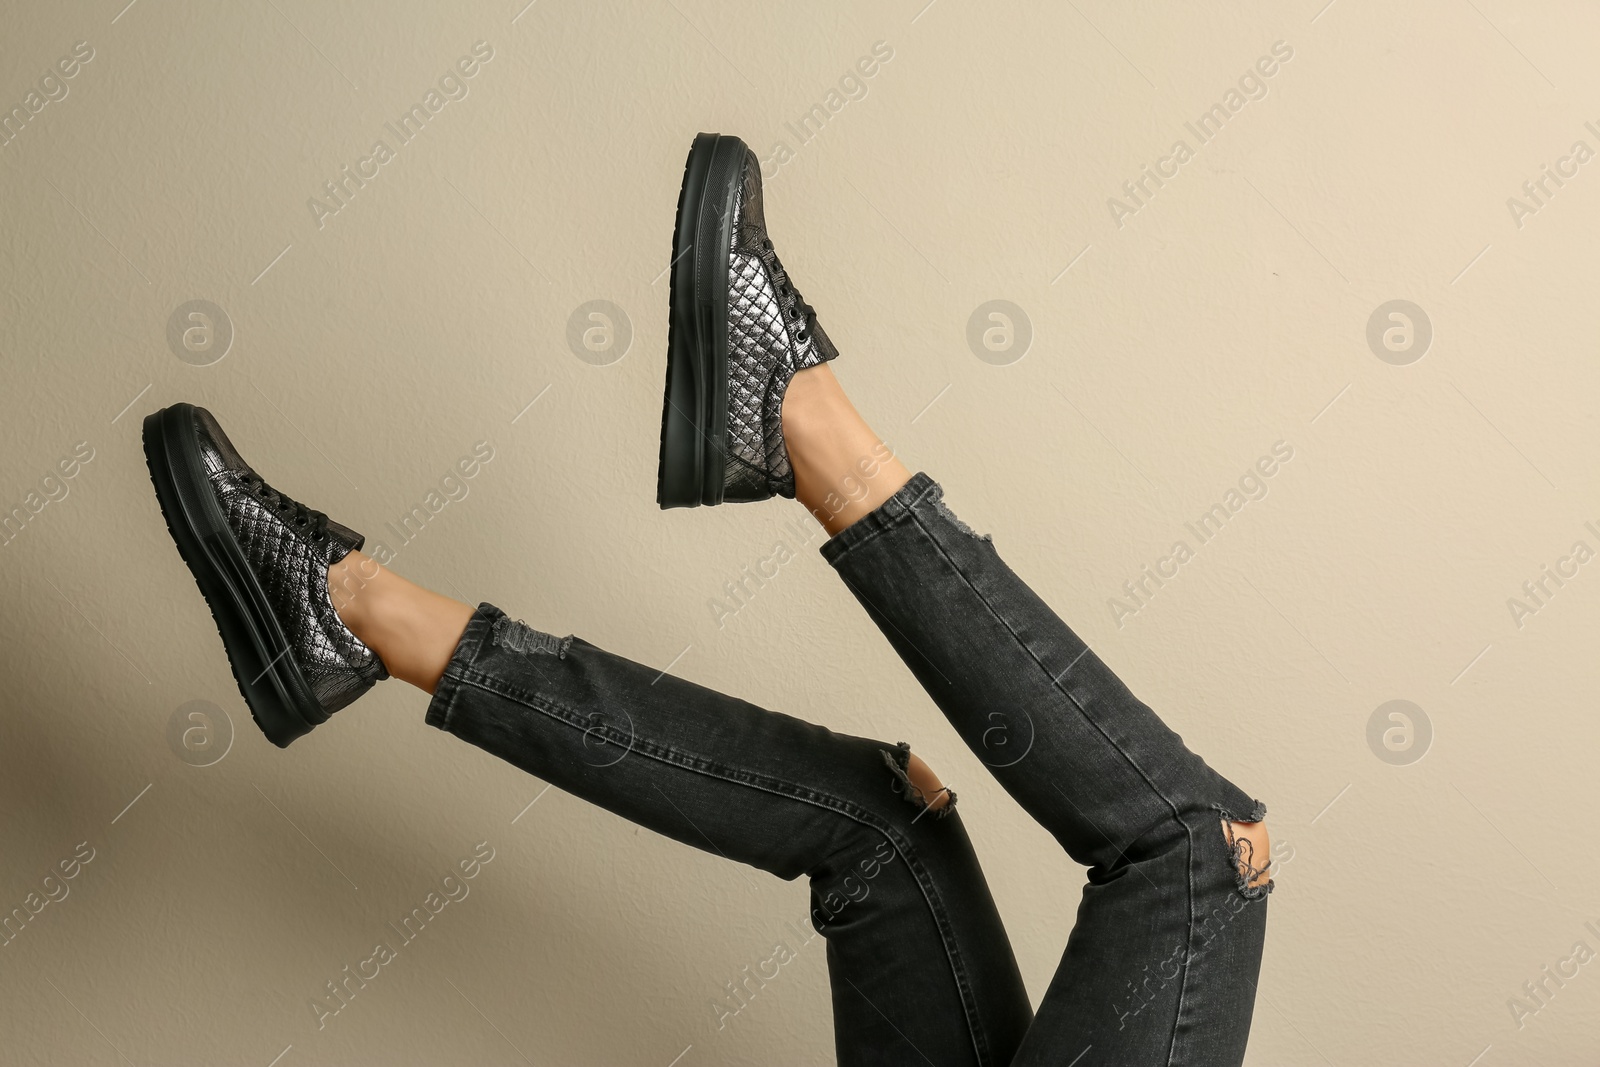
point(739, 332)
point(261, 561)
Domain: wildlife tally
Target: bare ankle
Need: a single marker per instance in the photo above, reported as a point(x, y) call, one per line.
point(842, 470)
point(411, 629)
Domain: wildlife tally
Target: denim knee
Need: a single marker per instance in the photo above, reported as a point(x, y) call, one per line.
point(1222, 855)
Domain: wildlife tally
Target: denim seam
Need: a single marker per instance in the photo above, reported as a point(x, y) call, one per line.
point(441, 708)
point(1055, 684)
point(469, 646)
point(1188, 947)
point(667, 754)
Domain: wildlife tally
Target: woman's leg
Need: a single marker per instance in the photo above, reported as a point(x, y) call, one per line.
point(919, 963)
point(1162, 964)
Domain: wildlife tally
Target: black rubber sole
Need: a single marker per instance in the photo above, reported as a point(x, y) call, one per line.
point(278, 695)
point(694, 413)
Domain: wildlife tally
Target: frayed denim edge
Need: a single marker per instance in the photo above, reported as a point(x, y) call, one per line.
point(898, 761)
point(944, 509)
point(518, 636)
point(1244, 871)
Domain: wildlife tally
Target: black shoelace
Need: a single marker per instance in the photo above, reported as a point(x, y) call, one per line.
point(314, 523)
point(795, 308)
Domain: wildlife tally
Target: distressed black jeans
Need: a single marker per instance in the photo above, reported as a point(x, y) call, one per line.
point(1161, 966)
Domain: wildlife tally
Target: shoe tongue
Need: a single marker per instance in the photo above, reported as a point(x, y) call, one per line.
point(342, 541)
point(822, 348)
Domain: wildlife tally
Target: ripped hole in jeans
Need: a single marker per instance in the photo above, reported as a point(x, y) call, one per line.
point(518, 636)
point(1250, 852)
point(944, 509)
point(916, 782)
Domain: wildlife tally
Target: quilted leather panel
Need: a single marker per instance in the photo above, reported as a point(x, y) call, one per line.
point(291, 564)
point(772, 334)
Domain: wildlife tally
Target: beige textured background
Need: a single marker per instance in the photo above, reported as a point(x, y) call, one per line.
point(1229, 313)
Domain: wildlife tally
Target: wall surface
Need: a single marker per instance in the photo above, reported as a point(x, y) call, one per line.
point(1169, 318)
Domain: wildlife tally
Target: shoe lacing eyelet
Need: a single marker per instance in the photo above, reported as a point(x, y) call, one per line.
point(795, 309)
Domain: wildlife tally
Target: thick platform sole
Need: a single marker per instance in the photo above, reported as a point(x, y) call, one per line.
point(278, 695)
point(694, 413)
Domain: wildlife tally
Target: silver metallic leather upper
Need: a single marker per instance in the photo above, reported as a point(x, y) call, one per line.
point(772, 333)
point(289, 549)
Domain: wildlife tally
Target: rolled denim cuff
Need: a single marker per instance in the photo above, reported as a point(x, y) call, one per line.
point(885, 516)
point(479, 631)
